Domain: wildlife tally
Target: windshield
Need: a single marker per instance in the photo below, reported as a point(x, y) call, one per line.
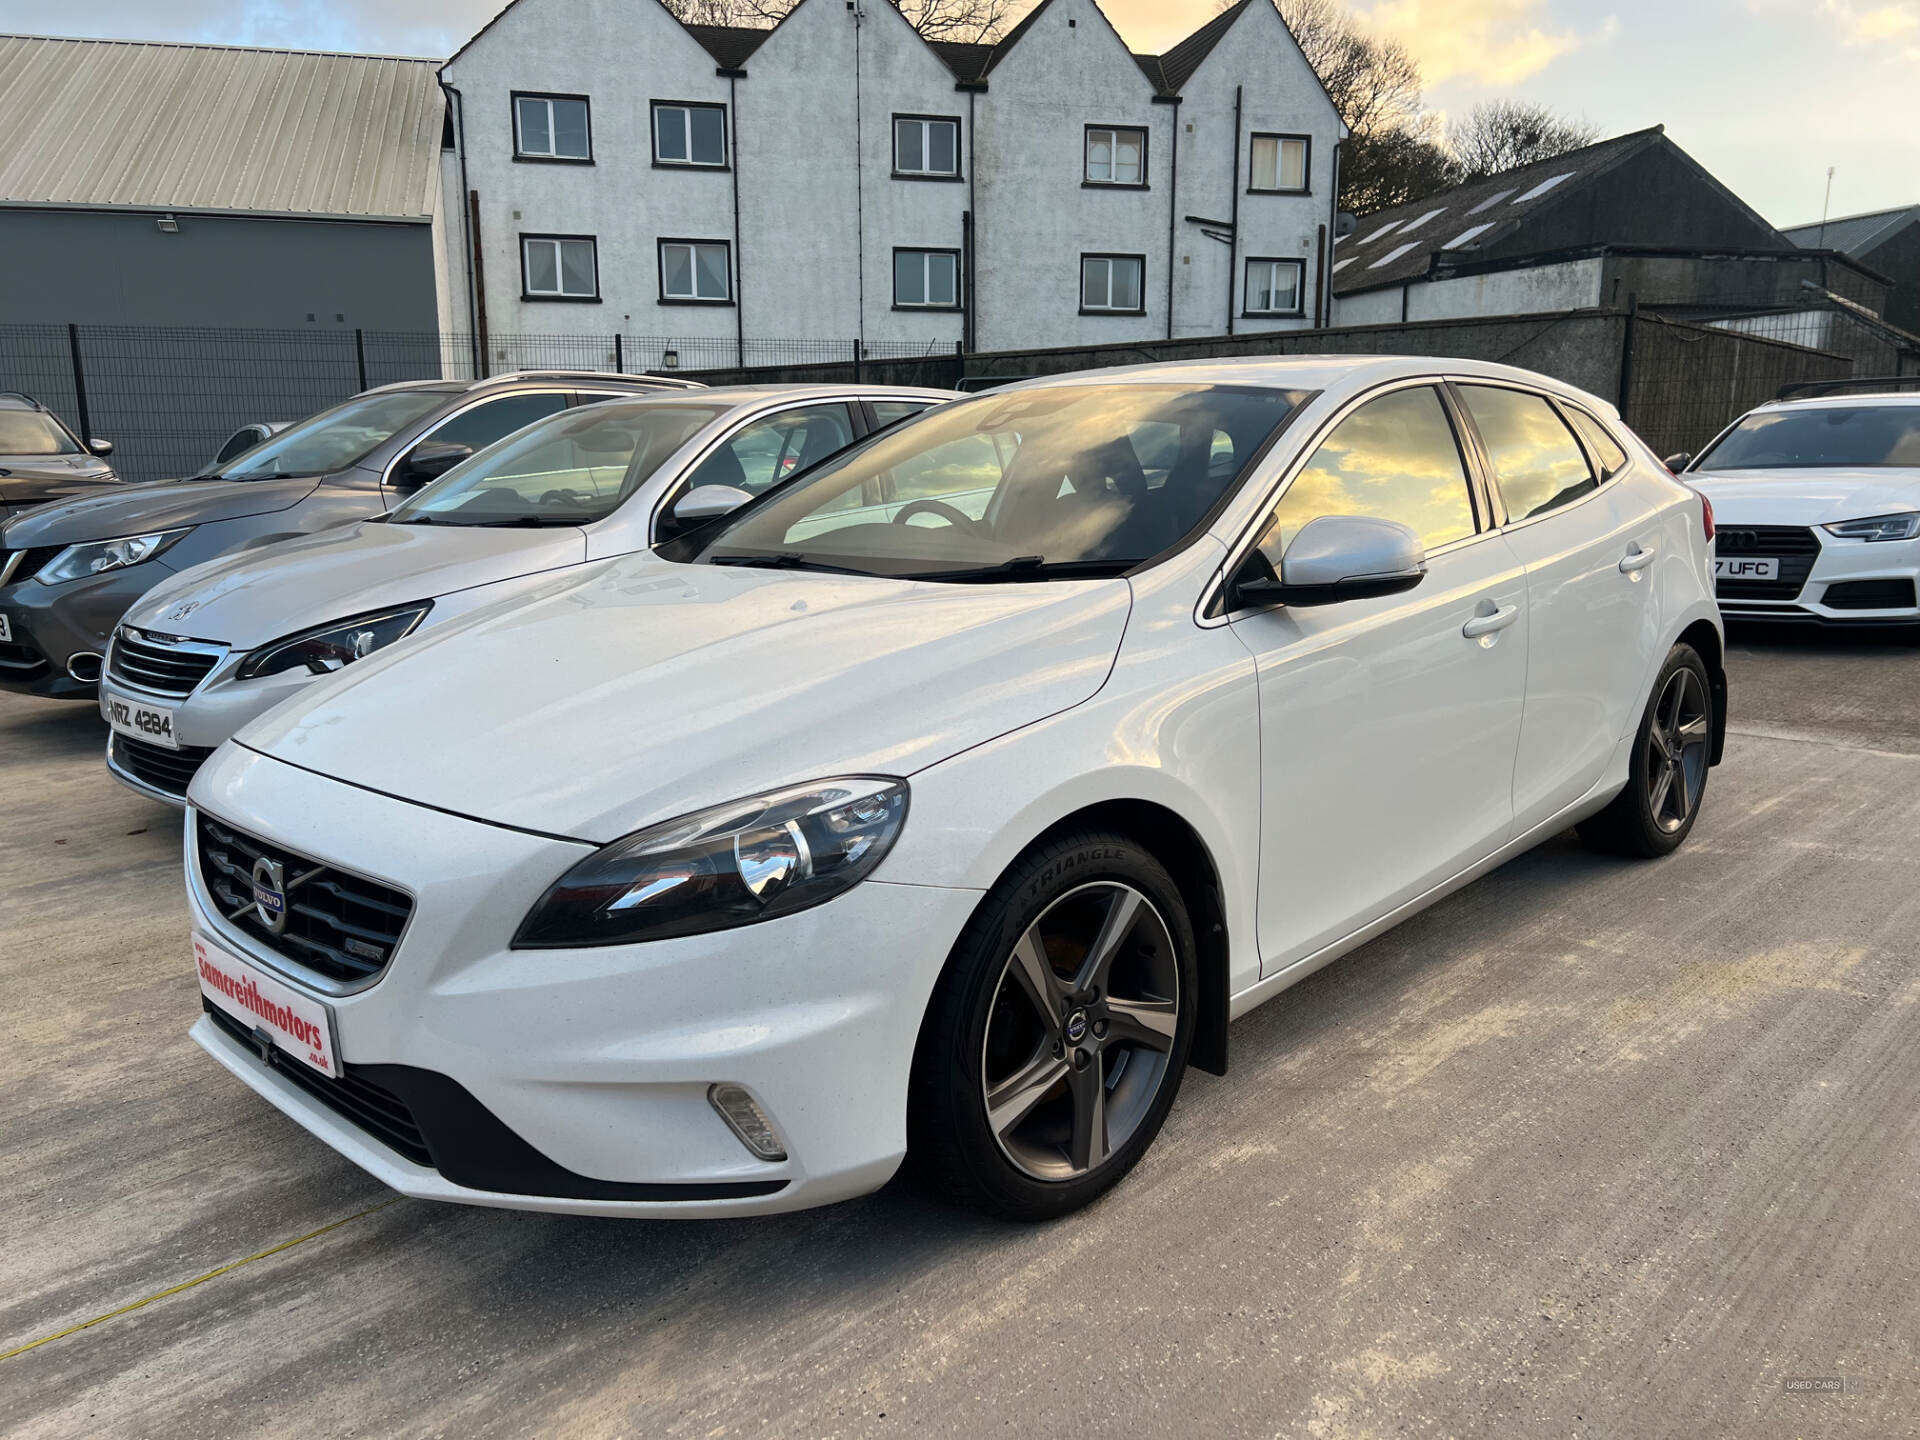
point(567, 470)
point(28, 432)
point(1072, 479)
point(333, 439)
point(1819, 437)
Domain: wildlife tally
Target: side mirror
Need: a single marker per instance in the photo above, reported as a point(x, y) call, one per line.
point(429, 461)
point(102, 448)
point(1336, 558)
point(1677, 463)
point(708, 502)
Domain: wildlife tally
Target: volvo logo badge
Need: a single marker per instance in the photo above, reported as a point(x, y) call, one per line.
point(270, 894)
point(1077, 1026)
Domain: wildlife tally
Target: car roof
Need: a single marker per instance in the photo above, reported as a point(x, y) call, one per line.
point(1346, 373)
point(639, 384)
point(731, 395)
point(19, 400)
point(1848, 401)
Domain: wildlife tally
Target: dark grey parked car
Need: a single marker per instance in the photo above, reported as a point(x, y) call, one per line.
point(42, 460)
point(69, 570)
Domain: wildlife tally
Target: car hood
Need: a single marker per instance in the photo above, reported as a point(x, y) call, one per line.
point(248, 597)
point(642, 690)
point(1806, 497)
point(27, 478)
point(157, 505)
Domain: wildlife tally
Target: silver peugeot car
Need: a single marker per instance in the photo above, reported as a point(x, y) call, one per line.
point(209, 649)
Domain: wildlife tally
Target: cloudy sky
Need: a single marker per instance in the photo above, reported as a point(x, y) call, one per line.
point(1766, 93)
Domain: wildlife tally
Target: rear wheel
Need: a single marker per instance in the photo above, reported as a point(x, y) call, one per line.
point(1672, 753)
point(1058, 1033)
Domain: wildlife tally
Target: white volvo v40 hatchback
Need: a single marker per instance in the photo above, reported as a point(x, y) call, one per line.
point(953, 799)
point(1817, 501)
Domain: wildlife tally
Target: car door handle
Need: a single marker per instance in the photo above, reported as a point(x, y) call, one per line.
point(1635, 559)
point(1486, 624)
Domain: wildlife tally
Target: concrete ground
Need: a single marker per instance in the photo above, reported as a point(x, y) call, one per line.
point(1592, 1148)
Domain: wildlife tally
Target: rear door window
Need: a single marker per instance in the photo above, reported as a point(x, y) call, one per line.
point(1600, 441)
point(1537, 463)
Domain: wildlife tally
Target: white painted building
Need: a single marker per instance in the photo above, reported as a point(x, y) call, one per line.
point(837, 177)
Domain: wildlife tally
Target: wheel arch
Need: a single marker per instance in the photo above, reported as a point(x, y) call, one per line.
point(1174, 842)
point(1704, 636)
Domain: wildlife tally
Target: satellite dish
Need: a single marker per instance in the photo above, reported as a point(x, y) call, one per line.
point(1344, 224)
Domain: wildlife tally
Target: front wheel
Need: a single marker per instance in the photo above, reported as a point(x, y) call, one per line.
point(1672, 753)
point(1057, 1036)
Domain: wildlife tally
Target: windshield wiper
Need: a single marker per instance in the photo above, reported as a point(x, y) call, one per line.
point(786, 560)
point(1032, 567)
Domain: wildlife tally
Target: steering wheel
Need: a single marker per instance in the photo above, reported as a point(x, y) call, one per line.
point(929, 506)
point(576, 498)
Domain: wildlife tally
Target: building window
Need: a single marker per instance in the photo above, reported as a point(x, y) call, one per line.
point(551, 127)
point(1275, 287)
point(559, 267)
point(1116, 157)
point(926, 279)
point(926, 147)
point(695, 272)
point(1279, 164)
point(1112, 284)
point(688, 134)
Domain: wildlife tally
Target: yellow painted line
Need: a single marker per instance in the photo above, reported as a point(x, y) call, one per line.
point(197, 1280)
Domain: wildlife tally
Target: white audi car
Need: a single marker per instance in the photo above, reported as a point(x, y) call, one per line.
point(206, 651)
point(952, 800)
point(1817, 500)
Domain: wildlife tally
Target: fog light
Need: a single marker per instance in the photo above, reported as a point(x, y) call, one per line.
point(747, 1120)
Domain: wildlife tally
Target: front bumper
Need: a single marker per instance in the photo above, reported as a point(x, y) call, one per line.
point(599, 1060)
point(203, 720)
point(1849, 582)
point(53, 623)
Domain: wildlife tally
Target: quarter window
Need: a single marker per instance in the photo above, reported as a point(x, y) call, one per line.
point(891, 412)
point(1274, 287)
point(696, 271)
point(551, 127)
point(686, 134)
point(1536, 461)
point(559, 267)
point(1116, 157)
point(924, 146)
point(1279, 164)
point(926, 279)
point(1600, 441)
point(1395, 458)
point(1111, 284)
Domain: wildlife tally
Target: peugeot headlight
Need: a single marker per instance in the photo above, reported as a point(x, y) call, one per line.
point(326, 649)
point(1878, 527)
point(98, 556)
point(735, 864)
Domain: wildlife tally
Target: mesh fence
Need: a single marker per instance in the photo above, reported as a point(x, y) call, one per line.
point(168, 396)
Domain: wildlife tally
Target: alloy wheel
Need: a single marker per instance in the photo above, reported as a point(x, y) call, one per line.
point(1081, 1030)
point(1677, 746)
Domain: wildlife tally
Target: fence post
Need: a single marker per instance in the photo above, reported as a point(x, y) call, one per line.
point(619, 355)
point(79, 384)
point(959, 362)
point(360, 354)
point(857, 374)
point(1626, 354)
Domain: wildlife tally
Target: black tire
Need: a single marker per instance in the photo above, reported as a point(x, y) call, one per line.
point(985, 996)
point(1644, 820)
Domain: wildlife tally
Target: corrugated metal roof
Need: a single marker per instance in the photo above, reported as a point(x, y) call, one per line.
point(116, 123)
point(1852, 234)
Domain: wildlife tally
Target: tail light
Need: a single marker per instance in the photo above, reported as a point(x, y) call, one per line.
point(1706, 516)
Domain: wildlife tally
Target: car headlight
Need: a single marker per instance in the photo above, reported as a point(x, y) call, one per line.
point(96, 557)
point(326, 649)
point(1877, 527)
point(735, 864)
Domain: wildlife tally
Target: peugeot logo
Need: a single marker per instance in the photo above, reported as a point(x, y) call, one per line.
point(270, 893)
point(182, 610)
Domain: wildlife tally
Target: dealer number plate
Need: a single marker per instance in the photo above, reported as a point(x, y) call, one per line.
point(152, 723)
point(1742, 567)
point(295, 1024)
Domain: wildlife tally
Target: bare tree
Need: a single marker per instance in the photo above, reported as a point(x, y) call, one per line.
point(964, 20)
point(1503, 134)
point(1374, 83)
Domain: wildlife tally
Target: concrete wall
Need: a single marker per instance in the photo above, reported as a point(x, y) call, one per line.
point(118, 268)
point(1574, 285)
